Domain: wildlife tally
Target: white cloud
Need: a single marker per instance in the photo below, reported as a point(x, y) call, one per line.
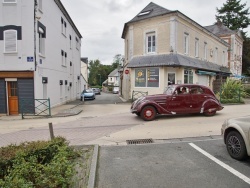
point(101, 22)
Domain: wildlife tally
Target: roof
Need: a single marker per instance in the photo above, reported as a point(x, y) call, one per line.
point(114, 73)
point(175, 60)
point(153, 9)
point(219, 29)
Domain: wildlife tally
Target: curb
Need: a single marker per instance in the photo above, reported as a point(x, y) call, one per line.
point(92, 175)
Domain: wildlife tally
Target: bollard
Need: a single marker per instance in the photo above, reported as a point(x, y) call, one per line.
point(52, 136)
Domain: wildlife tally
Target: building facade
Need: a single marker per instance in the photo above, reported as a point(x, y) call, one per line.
point(40, 50)
point(165, 47)
point(235, 41)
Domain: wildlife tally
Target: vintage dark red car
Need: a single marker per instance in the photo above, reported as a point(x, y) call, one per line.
point(177, 99)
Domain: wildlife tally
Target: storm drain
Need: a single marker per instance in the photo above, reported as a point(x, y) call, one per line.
point(140, 141)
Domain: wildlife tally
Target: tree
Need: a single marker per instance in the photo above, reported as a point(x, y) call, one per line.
point(233, 15)
point(117, 61)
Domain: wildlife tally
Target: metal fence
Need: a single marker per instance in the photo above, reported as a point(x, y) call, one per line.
point(138, 94)
point(35, 107)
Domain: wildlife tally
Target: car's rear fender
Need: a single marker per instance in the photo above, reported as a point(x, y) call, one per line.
point(211, 105)
point(235, 127)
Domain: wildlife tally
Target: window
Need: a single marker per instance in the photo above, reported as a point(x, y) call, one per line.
point(63, 26)
point(10, 41)
point(65, 59)
point(144, 13)
point(70, 42)
point(186, 43)
point(64, 55)
point(40, 4)
point(147, 77)
point(205, 50)
point(188, 76)
point(77, 43)
point(216, 55)
point(196, 47)
point(223, 58)
point(41, 41)
point(151, 42)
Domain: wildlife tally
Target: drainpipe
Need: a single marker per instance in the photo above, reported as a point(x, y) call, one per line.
point(35, 10)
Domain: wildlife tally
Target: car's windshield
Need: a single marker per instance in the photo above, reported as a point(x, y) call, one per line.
point(88, 91)
point(169, 90)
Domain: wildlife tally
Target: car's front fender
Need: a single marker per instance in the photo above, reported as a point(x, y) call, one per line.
point(158, 107)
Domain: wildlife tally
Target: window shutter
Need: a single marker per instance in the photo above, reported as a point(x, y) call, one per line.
point(10, 40)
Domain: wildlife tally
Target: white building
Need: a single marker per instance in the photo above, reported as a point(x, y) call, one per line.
point(40, 50)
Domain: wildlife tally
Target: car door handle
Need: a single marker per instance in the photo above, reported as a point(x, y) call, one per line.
point(173, 97)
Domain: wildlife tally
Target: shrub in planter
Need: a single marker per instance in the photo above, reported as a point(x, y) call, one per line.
point(37, 164)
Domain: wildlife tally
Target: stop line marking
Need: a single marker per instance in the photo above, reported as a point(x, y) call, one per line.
point(227, 167)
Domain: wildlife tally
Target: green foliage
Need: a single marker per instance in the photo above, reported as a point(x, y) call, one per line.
point(37, 164)
point(233, 15)
point(98, 72)
point(232, 91)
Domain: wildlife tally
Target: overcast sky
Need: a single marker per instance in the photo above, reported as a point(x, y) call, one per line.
point(101, 22)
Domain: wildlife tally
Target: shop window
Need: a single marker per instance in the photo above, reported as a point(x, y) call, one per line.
point(188, 76)
point(147, 77)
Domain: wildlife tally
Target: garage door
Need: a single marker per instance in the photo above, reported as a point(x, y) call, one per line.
point(203, 80)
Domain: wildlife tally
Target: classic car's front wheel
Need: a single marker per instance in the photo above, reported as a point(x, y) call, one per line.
point(236, 146)
point(148, 113)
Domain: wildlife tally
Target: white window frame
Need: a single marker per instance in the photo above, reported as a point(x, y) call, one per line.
point(41, 41)
point(186, 43)
point(196, 47)
point(12, 40)
point(151, 37)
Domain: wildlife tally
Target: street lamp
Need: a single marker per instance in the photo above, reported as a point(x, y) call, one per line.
point(100, 79)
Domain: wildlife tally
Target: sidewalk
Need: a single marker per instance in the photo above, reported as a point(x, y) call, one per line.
point(67, 109)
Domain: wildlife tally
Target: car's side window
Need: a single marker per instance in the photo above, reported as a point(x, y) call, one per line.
point(197, 90)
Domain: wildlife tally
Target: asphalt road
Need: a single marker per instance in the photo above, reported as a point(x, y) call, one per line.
point(172, 165)
point(104, 98)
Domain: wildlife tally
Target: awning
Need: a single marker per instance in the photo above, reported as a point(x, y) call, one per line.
point(200, 72)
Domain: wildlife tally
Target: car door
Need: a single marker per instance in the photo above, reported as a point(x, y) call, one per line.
point(198, 96)
point(179, 102)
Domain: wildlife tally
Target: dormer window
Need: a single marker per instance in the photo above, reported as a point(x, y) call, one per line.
point(144, 13)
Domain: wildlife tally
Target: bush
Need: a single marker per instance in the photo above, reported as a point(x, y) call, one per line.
point(37, 164)
point(232, 91)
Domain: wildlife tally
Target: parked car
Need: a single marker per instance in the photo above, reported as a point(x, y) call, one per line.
point(87, 94)
point(97, 91)
point(236, 134)
point(177, 99)
point(115, 90)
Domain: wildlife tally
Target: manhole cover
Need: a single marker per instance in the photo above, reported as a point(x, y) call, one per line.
point(140, 141)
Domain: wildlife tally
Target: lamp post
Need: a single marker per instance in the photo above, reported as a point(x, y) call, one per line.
point(100, 79)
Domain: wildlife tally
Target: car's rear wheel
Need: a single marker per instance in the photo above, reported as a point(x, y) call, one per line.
point(236, 146)
point(148, 113)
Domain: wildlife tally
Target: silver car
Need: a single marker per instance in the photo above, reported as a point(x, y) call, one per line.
point(236, 134)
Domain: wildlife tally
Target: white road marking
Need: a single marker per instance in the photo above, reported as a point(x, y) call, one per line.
point(230, 169)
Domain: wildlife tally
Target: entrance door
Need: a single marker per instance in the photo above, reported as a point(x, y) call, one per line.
point(171, 78)
point(12, 98)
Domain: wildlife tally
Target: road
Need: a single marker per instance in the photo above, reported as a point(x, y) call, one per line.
point(170, 161)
